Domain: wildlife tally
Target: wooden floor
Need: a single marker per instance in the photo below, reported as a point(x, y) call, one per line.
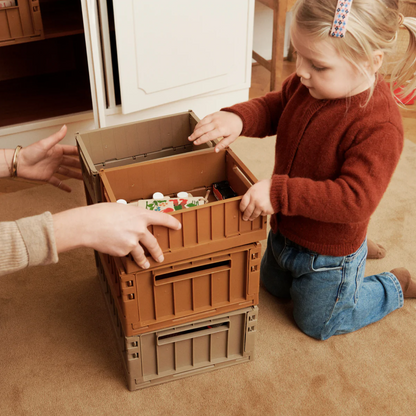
point(259, 86)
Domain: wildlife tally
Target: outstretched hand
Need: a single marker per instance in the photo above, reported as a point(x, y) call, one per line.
point(42, 160)
point(114, 229)
point(221, 124)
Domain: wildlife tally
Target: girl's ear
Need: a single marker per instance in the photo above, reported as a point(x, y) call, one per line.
point(377, 59)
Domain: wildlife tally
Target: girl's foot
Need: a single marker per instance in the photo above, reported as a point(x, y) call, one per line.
point(375, 251)
point(405, 279)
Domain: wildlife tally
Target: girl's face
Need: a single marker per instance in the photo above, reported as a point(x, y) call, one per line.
point(322, 70)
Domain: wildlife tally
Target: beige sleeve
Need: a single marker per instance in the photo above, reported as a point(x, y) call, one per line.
point(27, 242)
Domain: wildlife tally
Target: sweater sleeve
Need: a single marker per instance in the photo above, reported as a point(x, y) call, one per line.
point(27, 242)
point(355, 194)
point(261, 116)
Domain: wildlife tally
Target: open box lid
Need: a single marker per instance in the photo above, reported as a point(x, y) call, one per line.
point(138, 141)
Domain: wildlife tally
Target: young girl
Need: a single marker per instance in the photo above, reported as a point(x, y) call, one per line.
point(339, 139)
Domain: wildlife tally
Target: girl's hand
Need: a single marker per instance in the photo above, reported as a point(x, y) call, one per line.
point(221, 124)
point(113, 229)
point(256, 201)
point(41, 160)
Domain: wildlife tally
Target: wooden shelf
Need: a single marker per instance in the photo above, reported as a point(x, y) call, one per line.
point(61, 18)
point(44, 96)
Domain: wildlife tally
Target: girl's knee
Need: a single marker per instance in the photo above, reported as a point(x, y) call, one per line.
point(313, 329)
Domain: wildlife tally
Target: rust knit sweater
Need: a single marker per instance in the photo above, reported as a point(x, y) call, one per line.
point(333, 162)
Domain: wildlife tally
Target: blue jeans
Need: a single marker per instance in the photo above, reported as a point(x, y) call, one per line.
point(330, 294)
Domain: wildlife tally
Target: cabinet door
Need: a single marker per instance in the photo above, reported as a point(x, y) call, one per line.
point(170, 50)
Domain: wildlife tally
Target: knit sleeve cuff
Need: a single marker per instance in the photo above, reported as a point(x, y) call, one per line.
point(278, 193)
point(243, 113)
point(38, 236)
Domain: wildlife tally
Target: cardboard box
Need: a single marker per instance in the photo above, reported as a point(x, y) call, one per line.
point(184, 350)
point(212, 227)
point(133, 143)
point(181, 292)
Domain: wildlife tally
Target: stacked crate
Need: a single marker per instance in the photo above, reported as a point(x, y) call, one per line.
point(20, 21)
point(198, 309)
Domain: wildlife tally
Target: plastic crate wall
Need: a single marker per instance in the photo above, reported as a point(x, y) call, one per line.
point(184, 291)
point(184, 350)
point(215, 226)
point(21, 23)
point(132, 143)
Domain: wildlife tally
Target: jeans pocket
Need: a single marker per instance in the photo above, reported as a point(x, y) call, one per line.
point(321, 263)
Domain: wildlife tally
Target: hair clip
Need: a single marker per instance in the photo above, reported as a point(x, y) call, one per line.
point(342, 12)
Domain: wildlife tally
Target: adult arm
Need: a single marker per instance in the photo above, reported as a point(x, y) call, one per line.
point(113, 229)
point(27, 242)
point(42, 160)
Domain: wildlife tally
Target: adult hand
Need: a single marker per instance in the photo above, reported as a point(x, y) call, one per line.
point(256, 201)
point(221, 124)
point(114, 229)
point(42, 160)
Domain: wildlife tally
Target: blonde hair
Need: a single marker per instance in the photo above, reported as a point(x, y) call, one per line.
point(373, 25)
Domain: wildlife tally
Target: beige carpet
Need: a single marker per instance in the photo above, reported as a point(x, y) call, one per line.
point(58, 355)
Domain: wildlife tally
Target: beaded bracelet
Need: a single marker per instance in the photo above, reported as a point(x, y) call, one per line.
point(14, 161)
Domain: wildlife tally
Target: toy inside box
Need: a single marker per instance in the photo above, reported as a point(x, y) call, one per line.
point(184, 349)
point(132, 143)
point(213, 226)
point(20, 21)
point(184, 291)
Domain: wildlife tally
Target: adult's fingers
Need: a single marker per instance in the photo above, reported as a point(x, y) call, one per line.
point(62, 170)
point(59, 184)
point(160, 218)
point(70, 150)
point(139, 257)
point(149, 241)
point(71, 162)
point(55, 138)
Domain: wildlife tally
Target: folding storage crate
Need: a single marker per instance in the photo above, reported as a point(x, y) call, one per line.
point(21, 22)
point(132, 143)
point(183, 350)
point(181, 292)
point(208, 228)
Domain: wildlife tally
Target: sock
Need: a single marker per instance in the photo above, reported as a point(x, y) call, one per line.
point(405, 279)
point(375, 251)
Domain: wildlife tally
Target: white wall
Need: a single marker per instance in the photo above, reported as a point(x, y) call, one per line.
point(263, 29)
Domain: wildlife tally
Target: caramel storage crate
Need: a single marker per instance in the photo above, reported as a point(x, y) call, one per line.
point(215, 226)
point(133, 143)
point(184, 291)
point(183, 350)
point(21, 23)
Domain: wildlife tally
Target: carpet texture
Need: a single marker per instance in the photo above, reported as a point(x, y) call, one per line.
point(58, 354)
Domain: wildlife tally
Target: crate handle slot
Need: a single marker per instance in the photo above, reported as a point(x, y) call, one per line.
point(238, 164)
point(186, 274)
point(208, 329)
point(246, 181)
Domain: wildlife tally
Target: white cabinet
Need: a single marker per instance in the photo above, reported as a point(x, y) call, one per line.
point(173, 56)
point(170, 50)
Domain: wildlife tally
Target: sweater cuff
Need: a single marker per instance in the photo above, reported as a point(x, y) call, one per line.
point(278, 193)
point(244, 114)
point(38, 235)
